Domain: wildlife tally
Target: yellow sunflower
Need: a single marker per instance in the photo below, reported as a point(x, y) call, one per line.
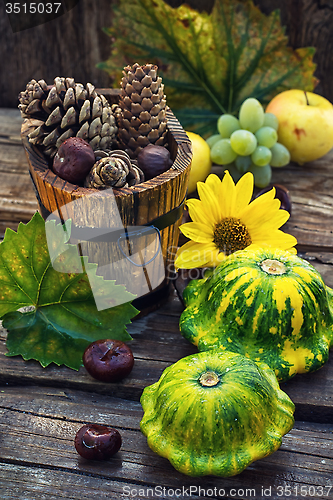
point(225, 220)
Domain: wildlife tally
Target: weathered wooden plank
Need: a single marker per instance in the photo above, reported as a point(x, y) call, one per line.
point(17, 198)
point(311, 192)
point(30, 372)
point(29, 483)
point(10, 123)
point(80, 27)
point(156, 344)
point(38, 429)
point(311, 393)
point(12, 157)
point(79, 406)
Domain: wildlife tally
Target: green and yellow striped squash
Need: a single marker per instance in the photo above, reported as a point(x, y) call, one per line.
point(268, 305)
point(215, 413)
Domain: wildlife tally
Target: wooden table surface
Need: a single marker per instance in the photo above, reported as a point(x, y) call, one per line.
point(42, 409)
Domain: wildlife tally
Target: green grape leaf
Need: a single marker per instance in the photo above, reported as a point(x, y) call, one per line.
point(211, 62)
point(62, 318)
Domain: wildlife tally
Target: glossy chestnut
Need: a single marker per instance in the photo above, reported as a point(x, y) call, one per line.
point(154, 160)
point(97, 442)
point(108, 360)
point(74, 160)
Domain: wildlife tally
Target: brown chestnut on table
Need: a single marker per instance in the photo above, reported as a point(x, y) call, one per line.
point(108, 360)
point(97, 442)
point(74, 160)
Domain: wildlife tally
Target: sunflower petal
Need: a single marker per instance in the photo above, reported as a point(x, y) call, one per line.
point(254, 215)
point(220, 257)
point(220, 200)
point(214, 182)
point(210, 201)
point(264, 198)
point(277, 239)
point(194, 254)
point(244, 192)
point(197, 212)
point(280, 218)
point(269, 222)
point(227, 196)
point(197, 232)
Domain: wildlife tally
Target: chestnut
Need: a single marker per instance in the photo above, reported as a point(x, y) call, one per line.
point(108, 360)
point(153, 160)
point(74, 160)
point(97, 442)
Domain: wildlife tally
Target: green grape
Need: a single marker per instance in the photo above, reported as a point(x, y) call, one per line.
point(212, 139)
point(251, 114)
point(242, 163)
point(222, 152)
point(266, 136)
point(280, 155)
point(271, 120)
point(243, 142)
point(262, 175)
point(261, 156)
point(226, 125)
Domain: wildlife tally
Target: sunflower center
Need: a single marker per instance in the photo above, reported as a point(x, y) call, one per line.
point(231, 235)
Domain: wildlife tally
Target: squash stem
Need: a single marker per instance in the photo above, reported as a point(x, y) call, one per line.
point(273, 266)
point(209, 379)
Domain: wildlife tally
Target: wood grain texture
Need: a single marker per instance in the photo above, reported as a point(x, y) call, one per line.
point(17, 198)
point(71, 45)
point(311, 192)
point(38, 429)
point(156, 344)
point(74, 43)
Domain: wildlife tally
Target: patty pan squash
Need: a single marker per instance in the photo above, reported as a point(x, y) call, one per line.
point(215, 413)
point(266, 304)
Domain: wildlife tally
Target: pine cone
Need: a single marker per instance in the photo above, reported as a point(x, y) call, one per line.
point(141, 118)
point(67, 109)
point(113, 169)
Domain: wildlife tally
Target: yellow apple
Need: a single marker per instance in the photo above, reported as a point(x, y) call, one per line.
point(201, 164)
point(305, 124)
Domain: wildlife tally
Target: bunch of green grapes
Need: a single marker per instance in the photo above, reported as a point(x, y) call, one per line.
point(249, 143)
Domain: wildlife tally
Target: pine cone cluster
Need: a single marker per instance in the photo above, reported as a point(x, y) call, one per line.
point(113, 169)
point(67, 109)
point(141, 115)
point(117, 133)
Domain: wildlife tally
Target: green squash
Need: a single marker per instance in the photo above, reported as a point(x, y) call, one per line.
point(215, 413)
point(268, 305)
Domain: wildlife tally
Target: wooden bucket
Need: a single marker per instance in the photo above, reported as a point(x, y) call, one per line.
point(156, 203)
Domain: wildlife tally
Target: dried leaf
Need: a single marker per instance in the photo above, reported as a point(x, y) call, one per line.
point(211, 62)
